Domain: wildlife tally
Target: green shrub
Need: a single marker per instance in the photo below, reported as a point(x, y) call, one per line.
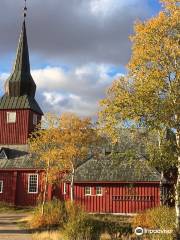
point(82, 226)
point(113, 228)
point(54, 215)
point(162, 218)
point(77, 226)
point(117, 230)
point(76, 223)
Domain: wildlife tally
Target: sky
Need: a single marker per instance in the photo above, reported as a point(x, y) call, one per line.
point(77, 47)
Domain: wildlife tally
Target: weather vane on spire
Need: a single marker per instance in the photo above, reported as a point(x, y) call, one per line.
point(25, 9)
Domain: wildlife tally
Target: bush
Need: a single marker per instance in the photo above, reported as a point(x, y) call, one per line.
point(162, 218)
point(116, 230)
point(76, 223)
point(82, 226)
point(77, 226)
point(54, 215)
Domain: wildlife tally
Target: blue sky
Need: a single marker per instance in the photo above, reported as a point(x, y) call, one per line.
point(77, 48)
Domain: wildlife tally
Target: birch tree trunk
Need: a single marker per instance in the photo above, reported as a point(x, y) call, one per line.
point(162, 173)
point(161, 189)
point(45, 188)
point(72, 184)
point(177, 192)
point(44, 194)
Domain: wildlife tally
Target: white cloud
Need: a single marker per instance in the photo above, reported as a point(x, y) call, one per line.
point(83, 80)
point(105, 8)
point(3, 77)
point(77, 90)
point(49, 77)
point(53, 98)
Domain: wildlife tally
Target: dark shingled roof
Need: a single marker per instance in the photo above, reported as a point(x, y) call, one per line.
point(19, 163)
point(106, 170)
point(93, 170)
point(20, 87)
point(16, 159)
point(20, 81)
point(22, 102)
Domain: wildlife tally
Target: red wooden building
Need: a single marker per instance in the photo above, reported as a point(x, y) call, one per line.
point(102, 186)
point(20, 181)
point(113, 186)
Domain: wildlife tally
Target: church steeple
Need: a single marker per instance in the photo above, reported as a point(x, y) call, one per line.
point(20, 81)
point(19, 111)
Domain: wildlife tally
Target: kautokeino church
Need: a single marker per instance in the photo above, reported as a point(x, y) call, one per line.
point(100, 186)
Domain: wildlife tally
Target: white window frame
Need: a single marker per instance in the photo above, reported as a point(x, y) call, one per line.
point(97, 190)
point(64, 188)
point(11, 119)
point(35, 119)
point(2, 183)
point(85, 191)
point(37, 184)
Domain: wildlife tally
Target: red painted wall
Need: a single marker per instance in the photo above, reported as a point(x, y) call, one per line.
point(15, 188)
point(116, 197)
point(23, 198)
point(18, 132)
point(9, 187)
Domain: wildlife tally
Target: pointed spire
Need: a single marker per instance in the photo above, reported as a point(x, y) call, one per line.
point(25, 9)
point(20, 81)
point(22, 58)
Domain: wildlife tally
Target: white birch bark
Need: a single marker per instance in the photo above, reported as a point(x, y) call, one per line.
point(177, 192)
point(45, 188)
point(72, 185)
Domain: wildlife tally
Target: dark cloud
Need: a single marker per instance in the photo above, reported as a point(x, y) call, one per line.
point(89, 37)
point(73, 31)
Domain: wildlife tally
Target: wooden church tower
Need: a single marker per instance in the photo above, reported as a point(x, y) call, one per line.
point(19, 111)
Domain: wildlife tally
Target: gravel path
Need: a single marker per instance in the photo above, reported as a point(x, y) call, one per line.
point(9, 228)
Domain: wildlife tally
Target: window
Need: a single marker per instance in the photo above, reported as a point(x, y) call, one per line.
point(64, 188)
point(11, 117)
point(98, 191)
point(87, 191)
point(33, 183)
point(35, 120)
point(1, 186)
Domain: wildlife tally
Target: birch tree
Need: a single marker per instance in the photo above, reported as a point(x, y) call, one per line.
point(43, 146)
point(150, 94)
point(63, 144)
point(78, 141)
